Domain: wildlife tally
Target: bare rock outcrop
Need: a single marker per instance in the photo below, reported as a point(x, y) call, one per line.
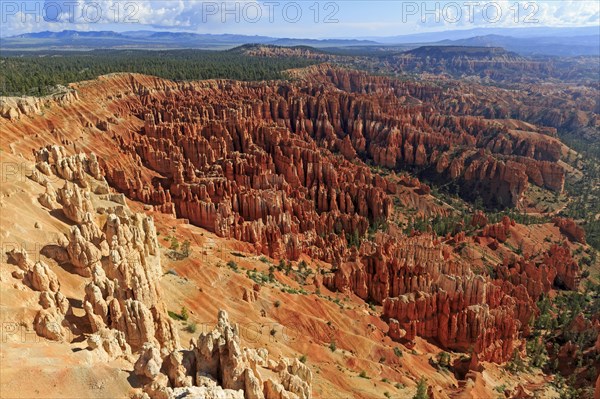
point(500, 231)
point(569, 228)
point(150, 361)
point(122, 301)
point(215, 364)
point(76, 202)
point(42, 278)
point(83, 254)
point(110, 343)
point(50, 322)
point(50, 197)
point(256, 162)
point(20, 258)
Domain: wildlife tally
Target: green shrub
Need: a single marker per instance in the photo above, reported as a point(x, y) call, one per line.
point(421, 389)
point(281, 265)
point(184, 314)
point(332, 346)
point(185, 249)
point(174, 315)
point(232, 265)
point(191, 328)
point(443, 359)
point(516, 364)
point(174, 244)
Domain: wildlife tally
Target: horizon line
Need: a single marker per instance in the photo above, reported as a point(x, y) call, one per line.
point(515, 28)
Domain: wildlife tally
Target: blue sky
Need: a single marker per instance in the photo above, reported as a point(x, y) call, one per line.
point(291, 19)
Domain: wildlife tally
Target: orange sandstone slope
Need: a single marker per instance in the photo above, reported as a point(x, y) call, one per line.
point(278, 169)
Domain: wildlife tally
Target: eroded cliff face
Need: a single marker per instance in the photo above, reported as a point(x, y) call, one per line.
point(283, 166)
point(254, 163)
point(14, 108)
point(559, 93)
point(258, 162)
point(427, 291)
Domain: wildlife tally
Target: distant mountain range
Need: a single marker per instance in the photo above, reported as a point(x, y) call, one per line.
point(561, 46)
point(525, 41)
point(527, 33)
point(79, 40)
point(456, 51)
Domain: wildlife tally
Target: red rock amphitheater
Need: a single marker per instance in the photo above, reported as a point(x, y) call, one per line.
point(285, 170)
